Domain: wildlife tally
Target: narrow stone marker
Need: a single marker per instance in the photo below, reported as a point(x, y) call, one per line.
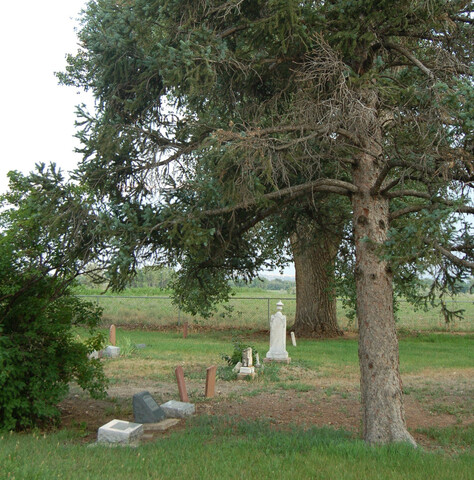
point(112, 335)
point(211, 381)
point(183, 394)
point(293, 339)
point(185, 329)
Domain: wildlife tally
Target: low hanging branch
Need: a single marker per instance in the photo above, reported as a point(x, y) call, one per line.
point(460, 262)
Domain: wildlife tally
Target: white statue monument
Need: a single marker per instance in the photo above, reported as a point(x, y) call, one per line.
point(277, 352)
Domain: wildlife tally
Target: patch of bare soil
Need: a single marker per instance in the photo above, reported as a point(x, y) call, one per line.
point(438, 400)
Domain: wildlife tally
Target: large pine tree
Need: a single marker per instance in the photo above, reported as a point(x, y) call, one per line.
point(212, 116)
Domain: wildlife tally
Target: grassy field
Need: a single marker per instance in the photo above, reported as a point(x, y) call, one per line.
point(209, 449)
point(264, 442)
point(250, 308)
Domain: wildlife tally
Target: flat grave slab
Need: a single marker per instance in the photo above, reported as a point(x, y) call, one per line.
point(119, 431)
point(175, 409)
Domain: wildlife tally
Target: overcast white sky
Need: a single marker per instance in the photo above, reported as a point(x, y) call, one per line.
point(37, 115)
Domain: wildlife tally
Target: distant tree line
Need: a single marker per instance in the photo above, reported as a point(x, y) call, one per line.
point(162, 278)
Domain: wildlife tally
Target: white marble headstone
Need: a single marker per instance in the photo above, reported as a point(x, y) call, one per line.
point(278, 336)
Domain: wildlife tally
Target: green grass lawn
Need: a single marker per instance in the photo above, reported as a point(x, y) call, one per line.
point(423, 351)
point(212, 447)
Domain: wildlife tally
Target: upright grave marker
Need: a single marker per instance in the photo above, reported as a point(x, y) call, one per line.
point(145, 409)
point(112, 335)
point(211, 381)
point(183, 394)
point(277, 352)
point(247, 369)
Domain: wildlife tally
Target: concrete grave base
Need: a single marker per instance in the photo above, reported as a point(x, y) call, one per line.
point(161, 426)
point(277, 360)
point(119, 431)
point(243, 376)
point(175, 409)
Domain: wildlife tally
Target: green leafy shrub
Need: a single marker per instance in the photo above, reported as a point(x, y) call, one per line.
point(40, 256)
point(236, 356)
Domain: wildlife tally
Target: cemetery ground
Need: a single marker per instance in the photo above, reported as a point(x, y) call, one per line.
point(300, 420)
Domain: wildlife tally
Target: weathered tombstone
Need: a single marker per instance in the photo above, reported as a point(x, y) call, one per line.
point(119, 431)
point(247, 369)
point(145, 409)
point(237, 367)
point(293, 339)
point(111, 351)
point(112, 335)
point(183, 394)
point(257, 360)
point(247, 360)
point(211, 381)
point(277, 352)
point(175, 409)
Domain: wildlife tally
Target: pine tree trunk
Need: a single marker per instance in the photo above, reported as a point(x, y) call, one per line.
point(381, 386)
point(314, 255)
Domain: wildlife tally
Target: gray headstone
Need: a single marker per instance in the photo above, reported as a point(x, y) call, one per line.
point(140, 345)
point(145, 409)
point(175, 409)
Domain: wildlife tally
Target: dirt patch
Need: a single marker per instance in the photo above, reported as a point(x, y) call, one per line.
point(441, 400)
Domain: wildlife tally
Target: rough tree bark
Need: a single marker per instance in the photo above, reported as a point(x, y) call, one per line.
point(381, 386)
point(314, 254)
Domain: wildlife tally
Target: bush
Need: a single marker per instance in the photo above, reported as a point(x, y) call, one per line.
point(40, 256)
point(236, 356)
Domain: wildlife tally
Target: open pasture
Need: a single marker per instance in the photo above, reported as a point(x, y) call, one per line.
point(247, 309)
point(293, 421)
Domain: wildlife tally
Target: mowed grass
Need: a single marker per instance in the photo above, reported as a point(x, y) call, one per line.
point(227, 448)
point(250, 308)
point(211, 448)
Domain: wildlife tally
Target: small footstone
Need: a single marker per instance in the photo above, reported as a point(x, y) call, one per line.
point(140, 345)
point(119, 431)
point(145, 409)
point(175, 409)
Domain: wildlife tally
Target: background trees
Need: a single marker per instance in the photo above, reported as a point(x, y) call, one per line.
point(275, 102)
